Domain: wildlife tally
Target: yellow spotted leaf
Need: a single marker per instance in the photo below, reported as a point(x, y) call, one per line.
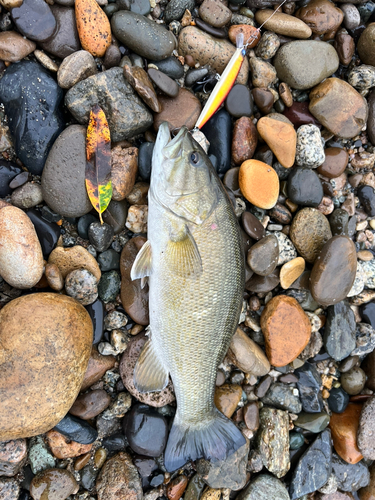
point(98, 161)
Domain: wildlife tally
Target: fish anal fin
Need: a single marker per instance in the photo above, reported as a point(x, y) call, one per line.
point(183, 256)
point(142, 264)
point(149, 373)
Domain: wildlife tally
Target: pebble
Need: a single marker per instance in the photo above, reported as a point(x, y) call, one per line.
point(98, 365)
point(353, 381)
point(263, 99)
point(9, 171)
point(259, 183)
point(296, 440)
point(215, 13)
point(334, 271)
point(164, 82)
point(13, 456)
point(362, 77)
point(244, 141)
point(367, 493)
point(178, 111)
point(170, 66)
point(338, 400)
point(46, 61)
point(82, 286)
point(109, 286)
point(344, 427)
point(268, 45)
point(309, 149)
point(109, 260)
point(27, 196)
point(264, 487)
point(74, 68)
point(291, 271)
point(282, 396)
point(313, 468)
point(141, 83)
point(339, 107)
point(76, 429)
point(263, 256)
point(365, 436)
point(283, 24)
point(350, 477)
point(34, 20)
point(93, 27)
point(291, 67)
point(227, 397)
point(39, 456)
point(63, 447)
point(336, 160)
point(175, 10)
point(339, 331)
point(249, 33)
point(72, 258)
point(29, 92)
point(263, 74)
point(9, 489)
point(366, 195)
point(251, 416)
point(252, 226)
point(365, 45)
point(239, 103)
point(287, 252)
point(65, 40)
point(345, 47)
point(365, 339)
point(352, 17)
point(308, 384)
point(53, 484)
point(246, 355)
point(100, 235)
point(280, 137)
point(273, 440)
point(321, 16)
point(304, 187)
point(218, 132)
point(13, 47)
point(312, 422)
point(283, 338)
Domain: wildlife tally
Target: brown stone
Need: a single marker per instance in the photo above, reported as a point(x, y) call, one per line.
point(215, 13)
point(62, 447)
point(286, 94)
point(89, 405)
point(251, 416)
point(45, 373)
point(244, 141)
point(286, 329)
point(252, 226)
point(56, 484)
point(321, 16)
point(259, 183)
point(344, 428)
point(244, 353)
point(263, 256)
point(260, 284)
point(263, 74)
point(134, 298)
point(291, 271)
point(366, 45)
point(14, 47)
point(138, 195)
point(345, 47)
point(227, 397)
point(127, 365)
point(264, 100)
point(54, 277)
point(338, 107)
point(249, 32)
point(178, 111)
point(82, 461)
point(283, 24)
point(119, 478)
point(72, 258)
point(176, 487)
point(96, 368)
point(141, 83)
point(368, 492)
point(335, 162)
point(334, 271)
point(13, 455)
point(124, 169)
point(338, 495)
point(100, 457)
point(93, 26)
point(281, 138)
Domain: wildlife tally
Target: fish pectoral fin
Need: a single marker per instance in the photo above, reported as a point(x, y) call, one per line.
point(149, 373)
point(183, 256)
point(142, 264)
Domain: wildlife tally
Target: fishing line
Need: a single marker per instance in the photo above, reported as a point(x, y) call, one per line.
point(252, 37)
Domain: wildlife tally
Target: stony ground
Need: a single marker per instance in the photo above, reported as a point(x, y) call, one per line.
point(294, 146)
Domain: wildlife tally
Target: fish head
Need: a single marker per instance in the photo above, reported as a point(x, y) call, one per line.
point(182, 179)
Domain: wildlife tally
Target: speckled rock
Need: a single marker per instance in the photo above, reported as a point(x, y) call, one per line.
point(263, 74)
point(71, 258)
point(339, 338)
point(55, 484)
point(93, 27)
point(321, 16)
point(13, 455)
point(119, 479)
point(76, 67)
point(362, 77)
point(268, 45)
point(264, 487)
point(287, 251)
point(366, 430)
point(366, 45)
point(309, 149)
point(9, 488)
point(282, 396)
point(82, 286)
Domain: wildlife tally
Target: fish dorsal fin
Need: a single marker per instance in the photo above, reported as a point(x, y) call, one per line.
point(149, 373)
point(183, 256)
point(142, 264)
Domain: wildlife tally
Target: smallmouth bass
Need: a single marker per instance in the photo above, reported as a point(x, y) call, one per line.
point(194, 262)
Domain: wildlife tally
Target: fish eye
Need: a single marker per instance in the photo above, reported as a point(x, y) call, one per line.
point(195, 158)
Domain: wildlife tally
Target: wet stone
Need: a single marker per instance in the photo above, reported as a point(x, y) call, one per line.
point(184, 109)
point(164, 82)
point(338, 400)
point(88, 476)
point(115, 442)
point(76, 67)
point(76, 429)
point(100, 235)
point(263, 256)
point(263, 386)
point(339, 222)
point(53, 484)
point(65, 40)
point(34, 20)
point(268, 45)
point(170, 66)
point(263, 99)
point(350, 477)
point(9, 489)
point(239, 101)
point(264, 487)
point(82, 286)
point(308, 384)
point(63, 447)
point(13, 456)
point(251, 416)
point(88, 406)
point(48, 232)
point(367, 312)
point(109, 286)
point(366, 195)
point(353, 381)
point(304, 187)
point(321, 15)
point(109, 260)
point(282, 396)
point(252, 226)
point(244, 353)
point(296, 440)
point(39, 456)
point(227, 397)
point(313, 422)
point(119, 478)
point(218, 133)
point(366, 431)
point(344, 427)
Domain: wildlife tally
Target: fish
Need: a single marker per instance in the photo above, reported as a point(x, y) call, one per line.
point(195, 266)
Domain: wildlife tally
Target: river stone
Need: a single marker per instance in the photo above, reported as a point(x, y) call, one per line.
point(366, 430)
point(55, 484)
point(291, 67)
point(283, 24)
point(21, 257)
point(175, 9)
point(34, 20)
point(31, 99)
point(304, 187)
point(309, 149)
point(119, 478)
point(334, 271)
point(282, 396)
point(308, 384)
point(63, 179)
point(313, 468)
point(350, 477)
point(45, 373)
point(366, 45)
point(65, 40)
point(339, 331)
point(264, 255)
point(76, 67)
point(264, 487)
point(126, 114)
point(244, 353)
point(14, 47)
point(309, 231)
point(143, 36)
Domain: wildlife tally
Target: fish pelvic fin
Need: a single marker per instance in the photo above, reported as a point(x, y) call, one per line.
point(149, 373)
point(141, 267)
point(183, 256)
point(215, 439)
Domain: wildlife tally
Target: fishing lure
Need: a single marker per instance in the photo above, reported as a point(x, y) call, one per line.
point(228, 77)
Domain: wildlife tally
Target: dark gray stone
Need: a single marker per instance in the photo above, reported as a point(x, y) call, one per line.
point(281, 396)
point(350, 477)
point(175, 9)
point(339, 331)
point(308, 384)
point(76, 429)
point(65, 41)
point(338, 400)
point(304, 187)
point(264, 487)
point(170, 66)
point(100, 235)
point(109, 286)
point(34, 20)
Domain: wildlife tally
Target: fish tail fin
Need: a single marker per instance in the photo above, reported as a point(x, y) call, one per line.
point(213, 439)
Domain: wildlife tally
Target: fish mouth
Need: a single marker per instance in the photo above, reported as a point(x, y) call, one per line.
point(175, 146)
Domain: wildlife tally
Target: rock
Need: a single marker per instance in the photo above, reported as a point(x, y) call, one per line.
point(82, 286)
point(299, 114)
point(286, 330)
point(291, 67)
point(239, 102)
point(227, 397)
point(65, 40)
point(308, 384)
point(366, 45)
point(350, 477)
point(9, 489)
point(366, 195)
point(75, 68)
point(263, 99)
point(287, 252)
point(339, 331)
point(100, 235)
point(53, 386)
point(353, 381)
point(76, 429)
point(21, 258)
point(345, 47)
point(62, 447)
point(125, 112)
point(371, 117)
point(170, 66)
point(13, 47)
point(53, 484)
point(336, 160)
point(119, 478)
point(72, 258)
point(344, 427)
point(40, 457)
point(264, 487)
point(27, 196)
point(273, 440)
point(263, 256)
point(268, 45)
point(8, 171)
point(365, 436)
point(63, 179)
point(251, 416)
point(109, 287)
point(245, 140)
point(312, 422)
point(109, 260)
point(244, 353)
point(178, 111)
point(215, 13)
point(313, 468)
point(259, 183)
point(291, 271)
point(252, 226)
point(304, 187)
point(98, 365)
point(352, 17)
point(282, 396)
point(309, 149)
point(362, 77)
point(321, 16)
point(176, 9)
point(116, 214)
point(340, 108)
point(296, 440)
point(218, 132)
point(34, 20)
point(93, 27)
point(280, 137)
point(127, 365)
point(263, 74)
point(142, 36)
point(177, 487)
point(141, 83)
point(334, 271)
point(229, 473)
point(249, 33)
point(209, 51)
point(365, 340)
point(31, 99)
point(338, 400)
point(367, 493)
point(283, 24)
point(13, 455)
